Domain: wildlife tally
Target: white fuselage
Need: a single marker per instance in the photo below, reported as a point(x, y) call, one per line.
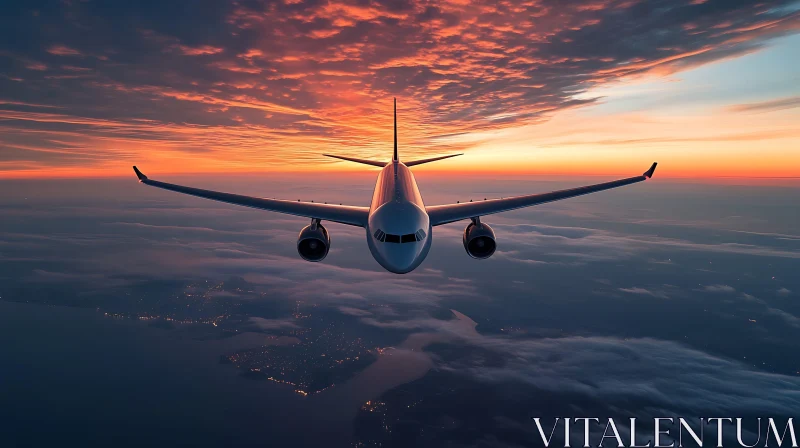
point(398, 229)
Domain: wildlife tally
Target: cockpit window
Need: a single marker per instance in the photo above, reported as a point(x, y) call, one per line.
point(410, 238)
point(383, 237)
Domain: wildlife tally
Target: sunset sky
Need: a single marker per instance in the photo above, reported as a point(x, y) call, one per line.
point(708, 88)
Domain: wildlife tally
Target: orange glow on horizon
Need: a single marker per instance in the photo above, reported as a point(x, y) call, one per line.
point(573, 143)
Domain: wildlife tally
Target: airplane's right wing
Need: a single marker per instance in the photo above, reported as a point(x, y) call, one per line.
point(344, 214)
point(443, 214)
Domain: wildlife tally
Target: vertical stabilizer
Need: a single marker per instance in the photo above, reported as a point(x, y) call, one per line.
point(395, 159)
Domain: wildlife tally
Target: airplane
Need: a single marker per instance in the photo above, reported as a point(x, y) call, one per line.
point(398, 224)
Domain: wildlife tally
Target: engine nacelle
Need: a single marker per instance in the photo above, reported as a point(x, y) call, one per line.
point(479, 240)
point(313, 242)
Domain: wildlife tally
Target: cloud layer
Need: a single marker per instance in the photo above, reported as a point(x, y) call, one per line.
point(245, 83)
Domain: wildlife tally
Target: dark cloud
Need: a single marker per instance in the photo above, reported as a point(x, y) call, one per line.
point(787, 317)
point(570, 316)
point(597, 245)
point(645, 291)
point(273, 324)
point(719, 288)
point(354, 311)
point(667, 375)
point(592, 268)
point(257, 80)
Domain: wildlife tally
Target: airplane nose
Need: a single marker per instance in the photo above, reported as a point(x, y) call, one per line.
point(399, 236)
point(401, 258)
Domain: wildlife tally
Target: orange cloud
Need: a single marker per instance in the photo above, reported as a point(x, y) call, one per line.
point(33, 65)
point(199, 51)
point(278, 84)
point(63, 50)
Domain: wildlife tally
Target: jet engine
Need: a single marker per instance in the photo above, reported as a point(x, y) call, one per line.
point(313, 242)
point(479, 240)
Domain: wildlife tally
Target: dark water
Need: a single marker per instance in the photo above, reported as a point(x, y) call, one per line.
point(72, 378)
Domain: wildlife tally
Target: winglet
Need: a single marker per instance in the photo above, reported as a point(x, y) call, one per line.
point(139, 174)
point(649, 173)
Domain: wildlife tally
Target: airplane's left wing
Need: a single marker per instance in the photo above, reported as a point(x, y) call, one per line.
point(443, 214)
point(344, 214)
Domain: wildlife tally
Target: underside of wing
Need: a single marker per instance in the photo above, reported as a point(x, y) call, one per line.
point(443, 214)
point(344, 214)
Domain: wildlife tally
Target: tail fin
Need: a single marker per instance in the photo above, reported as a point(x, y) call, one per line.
point(395, 158)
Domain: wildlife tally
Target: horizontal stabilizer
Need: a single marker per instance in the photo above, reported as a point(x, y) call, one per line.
point(420, 162)
point(364, 161)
